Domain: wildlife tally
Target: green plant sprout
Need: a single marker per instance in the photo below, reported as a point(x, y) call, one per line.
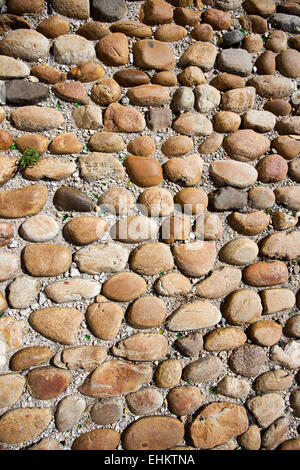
point(30, 157)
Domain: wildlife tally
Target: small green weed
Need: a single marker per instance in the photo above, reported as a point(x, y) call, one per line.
point(30, 157)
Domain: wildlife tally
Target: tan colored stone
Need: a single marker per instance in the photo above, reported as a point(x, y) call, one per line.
point(273, 381)
point(261, 197)
point(117, 200)
point(193, 125)
point(45, 444)
point(210, 228)
point(238, 100)
point(80, 357)
point(266, 274)
point(266, 408)
point(12, 332)
point(135, 229)
point(72, 8)
point(115, 378)
point(153, 432)
point(105, 91)
point(249, 224)
point(265, 332)
point(246, 145)
point(281, 245)
point(142, 347)
point(98, 165)
point(177, 146)
point(21, 202)
point(148, 95)
point(46, 260)
point(194, 315)
point(219, 283)
point(226, 121)
point(87, 72)
point(191, 344)
point(3, 303)
point(143, 146)
point(36, 118)
point(283, 221)
point(23, 291)
point(51, 168)
point(152, 54)
point(73, 49)
point(11, 389)
point(200, 54)
point(32, 141)
point(30, 357)
point(275, 434)
point(113, 50)
point(292, 326)
point(64, 144)
point(146, 312)
point(87, 117)
point(23, 424)
point(192, 76)
point(203, 32)
point(175, 228)
point(290, 444)
point(9, 265)
point(85, 230)
point(186, 16)
point(236, 174)
point(8, 168)
point(47, 74)
point(172, 284)
point(106, 257)
point(270, 86)
point(168, 373)
point(286, 146)
point(196, 258)
point(98, 439)
point(170, 33)
point(107, 411)
point(192, 200)
point(71, 290)
point(242, 306)
point(104, 319)
point(188, 169)
point(53, 26)
point(107, 142)
point(57, 324)
point(217, 423)
point(289, 195)
point(45, 383)
point(68, 412)
point(184, 400)
point(247, 360)
point(239, 251)
point(124, 287)
point(165, 78)
point(233, 387)
point(145, 401)
point(125, 119)
point(25, 44)
point(151, 258)
point(93, 30)
point(133, 29)
point(158, 202)
point(224, 339)
point(266, 63)
point(251, 439)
